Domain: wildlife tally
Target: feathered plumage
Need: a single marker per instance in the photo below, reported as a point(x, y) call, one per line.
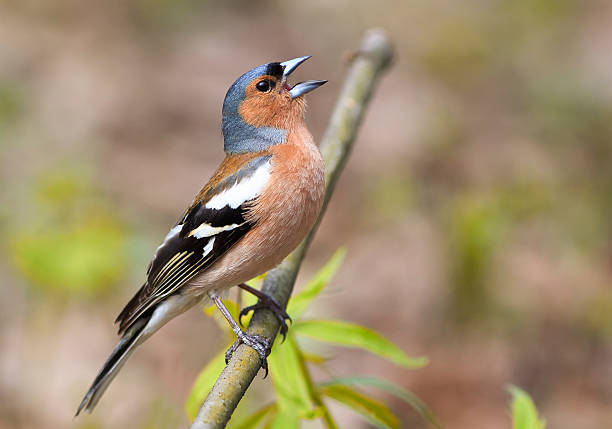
point(256, 208)
point(212, 225)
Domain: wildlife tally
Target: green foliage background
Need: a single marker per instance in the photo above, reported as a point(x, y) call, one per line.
point(297, 395)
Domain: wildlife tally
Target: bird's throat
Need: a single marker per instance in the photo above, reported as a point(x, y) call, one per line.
point(239, 137)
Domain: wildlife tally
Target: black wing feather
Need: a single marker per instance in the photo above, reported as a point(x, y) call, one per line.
point(182, 255)
point(213, 217)
point(176, 262)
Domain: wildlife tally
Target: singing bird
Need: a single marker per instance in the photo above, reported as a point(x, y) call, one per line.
point(257, 207)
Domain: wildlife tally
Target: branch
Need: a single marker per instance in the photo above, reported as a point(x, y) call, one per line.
point(370, 61)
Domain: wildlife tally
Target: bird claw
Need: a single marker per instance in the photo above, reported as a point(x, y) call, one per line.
point(258, 343)
point(266, 301)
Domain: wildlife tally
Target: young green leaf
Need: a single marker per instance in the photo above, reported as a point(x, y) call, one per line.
point(298, 303)
point(288, 379)
point(524, 412)
point(256, 282)
point(253, 420)
point(77, 259)
point(286, 419)
point(410, 398)
point(374, 411)
point(352, 335)
point(313, 358)
point(246, 299)
point(205, 381)
point(232, 307)
point(216, 315)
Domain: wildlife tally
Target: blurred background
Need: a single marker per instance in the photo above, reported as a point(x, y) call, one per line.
point(475, 209)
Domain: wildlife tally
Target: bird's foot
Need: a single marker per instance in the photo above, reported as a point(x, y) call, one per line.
point(258, 343)
point(266, 301)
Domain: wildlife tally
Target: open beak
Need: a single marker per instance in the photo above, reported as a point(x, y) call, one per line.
point(302, 87)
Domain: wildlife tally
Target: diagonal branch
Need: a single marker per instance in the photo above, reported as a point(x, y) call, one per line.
point(371, 60)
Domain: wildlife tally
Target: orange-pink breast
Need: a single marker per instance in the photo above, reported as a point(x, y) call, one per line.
point(285, 212)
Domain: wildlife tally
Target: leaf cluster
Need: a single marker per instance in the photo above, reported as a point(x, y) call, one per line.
point(297, 396)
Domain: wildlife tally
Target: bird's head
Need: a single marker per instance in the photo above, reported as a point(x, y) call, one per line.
point(261, 106)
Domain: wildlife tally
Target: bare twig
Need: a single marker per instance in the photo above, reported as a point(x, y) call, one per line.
point(373, 57)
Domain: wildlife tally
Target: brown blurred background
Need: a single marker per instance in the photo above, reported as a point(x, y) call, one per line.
point(476, 207)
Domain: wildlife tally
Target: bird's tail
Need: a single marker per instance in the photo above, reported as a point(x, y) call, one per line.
point(123, 350)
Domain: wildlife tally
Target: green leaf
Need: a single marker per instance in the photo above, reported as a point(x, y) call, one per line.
point(410, 398)
point(289, 379)
point(82, 259)
point(204, 382)
point(286, 419)
point(352, 335)
point(314, 358)
point(374, 411)
point(298, 303)
point(253, 420)
point(247, 299)
point(256, 282)
point(231, 306)
point(524, 412)
point(212, 311)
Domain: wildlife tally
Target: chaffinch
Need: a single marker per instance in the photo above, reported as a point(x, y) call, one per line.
point(257, 207)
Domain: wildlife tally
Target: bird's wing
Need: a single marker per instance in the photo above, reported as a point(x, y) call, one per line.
point(213, 224)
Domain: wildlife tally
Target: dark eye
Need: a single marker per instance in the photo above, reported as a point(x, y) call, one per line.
point(264, 86)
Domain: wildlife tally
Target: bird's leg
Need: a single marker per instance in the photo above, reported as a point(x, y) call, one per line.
point(258, 343)
point(266, 301)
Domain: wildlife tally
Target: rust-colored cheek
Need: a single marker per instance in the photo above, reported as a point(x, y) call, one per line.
point(271, 109)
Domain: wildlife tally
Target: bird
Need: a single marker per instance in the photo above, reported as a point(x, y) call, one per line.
point(256, 208)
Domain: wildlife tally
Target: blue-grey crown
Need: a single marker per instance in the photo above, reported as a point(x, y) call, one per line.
point(239, 137)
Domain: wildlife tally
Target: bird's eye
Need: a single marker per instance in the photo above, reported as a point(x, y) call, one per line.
point(264, 86)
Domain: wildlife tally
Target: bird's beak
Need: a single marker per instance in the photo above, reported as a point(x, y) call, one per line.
point(291, 65)
point(305, 87)
point(302, 87)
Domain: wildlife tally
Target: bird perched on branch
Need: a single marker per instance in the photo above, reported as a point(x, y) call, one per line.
point(257, 207)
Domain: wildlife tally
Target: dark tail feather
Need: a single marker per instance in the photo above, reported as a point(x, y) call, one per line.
point(124, 319)
point(113, 364)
